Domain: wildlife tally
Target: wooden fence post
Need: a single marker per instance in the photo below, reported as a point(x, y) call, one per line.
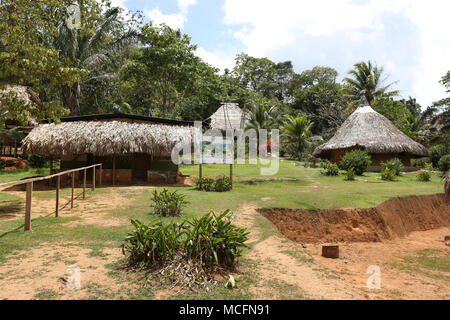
point(200, 173)
point(114, 171)
point(73, 186)
point(28, 206)
point(84, 185)
point(58, 182)
point(93, 178)
point(101, 173)
point(231, 175)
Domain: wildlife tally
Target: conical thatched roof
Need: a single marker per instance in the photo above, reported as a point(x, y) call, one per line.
point(369, 130)
point(228, 116)
point(103, 138)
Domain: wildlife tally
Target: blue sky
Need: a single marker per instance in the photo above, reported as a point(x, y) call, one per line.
point(409, 38)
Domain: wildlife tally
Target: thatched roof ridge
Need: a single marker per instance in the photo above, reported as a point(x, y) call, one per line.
point(369, 130)
point(103, 138)
point(228, 116)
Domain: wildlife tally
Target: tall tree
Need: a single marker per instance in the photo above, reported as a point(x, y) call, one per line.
point(366, 79)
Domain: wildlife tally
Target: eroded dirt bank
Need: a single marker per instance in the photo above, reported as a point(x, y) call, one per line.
point(396, 217)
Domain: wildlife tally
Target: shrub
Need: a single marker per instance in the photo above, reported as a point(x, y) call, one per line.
point(2, 165)
point(220, 185)
point(436, 153)
point(444, 163)
point(359, 160)
point(211, 240)
point(394, 164)
point(37, 161)
point(350, 175)
point(388, 175)
point(420, 163)
point(168, 203)
point(424, 176)
point(330, 169)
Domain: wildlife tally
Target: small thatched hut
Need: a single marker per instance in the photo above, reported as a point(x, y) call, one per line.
point(368, 130)
point(228, 116)
point(129, 147)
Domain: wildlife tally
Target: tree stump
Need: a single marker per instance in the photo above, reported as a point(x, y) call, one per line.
point(330, 251)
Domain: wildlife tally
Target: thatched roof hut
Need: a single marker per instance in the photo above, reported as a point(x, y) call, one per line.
point(102, 138)
point(228, 116)
point(367, 129)
point(134, 145)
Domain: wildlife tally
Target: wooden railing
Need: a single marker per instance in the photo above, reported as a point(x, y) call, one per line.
point(29, 189)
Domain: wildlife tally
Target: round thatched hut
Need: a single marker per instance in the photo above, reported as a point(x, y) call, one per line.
point(130, 147)
point(228, 116)
point(368, 130)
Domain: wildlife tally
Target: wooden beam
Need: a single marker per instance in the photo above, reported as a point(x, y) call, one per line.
point(51, 165)
point(84, 184)
point(93, 179)
point(114, 170)
point(73, 187)
point(28, 206)
point(101, 173)
point(200, 173)
point(15, 149)
point(58, 183)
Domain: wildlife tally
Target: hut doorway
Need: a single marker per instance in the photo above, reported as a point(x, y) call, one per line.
point(141, 164)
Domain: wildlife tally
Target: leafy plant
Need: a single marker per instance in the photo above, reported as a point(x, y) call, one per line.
point(420, 163)
point(168, 203)
point(436, 153)
point(388, 175)
point(350, 175)
point(2, 165)
point(220, 185)
point(444, 163)
point(359, 160)
point(211, 239)
point(37, 161)
point(424, 176)
point(394, 164)
point(330, 169)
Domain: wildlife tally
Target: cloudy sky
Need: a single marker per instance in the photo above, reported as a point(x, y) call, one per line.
point(410, 38)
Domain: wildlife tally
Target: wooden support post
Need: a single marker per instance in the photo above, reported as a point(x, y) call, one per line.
point(58, 182)
point(51, 170)
point(114, 171)
point(28, 206)
point(84, 184)
point(231, 174)
point(15, 149)
point(93, 178)
point(73, 187)
point(101, 173)
point(200, 174)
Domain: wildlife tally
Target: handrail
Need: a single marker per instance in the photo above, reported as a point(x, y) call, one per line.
point(16, 183)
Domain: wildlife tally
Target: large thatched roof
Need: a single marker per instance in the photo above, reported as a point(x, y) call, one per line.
point(369, 130)
point(103, 138)
point(228, 116)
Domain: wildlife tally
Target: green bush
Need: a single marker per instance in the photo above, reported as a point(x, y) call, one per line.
point(359, 160)
point(388, 175)
point(394, 164)
point(330, 169)
point(444, 163)
point(168, 204)
point(350, 174)
point(420, 163)
point(436, 153)
point(37, 161)
point(220, 185)
point(424, 176)
point(211, 239)
point(2, 165)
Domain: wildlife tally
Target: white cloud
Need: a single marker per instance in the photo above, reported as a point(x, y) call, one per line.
point(219, 59)
point(277, 29)
point(173, 20)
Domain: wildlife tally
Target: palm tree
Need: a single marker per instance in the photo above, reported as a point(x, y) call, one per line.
point(261, 116)
point(93, 53)
point(366, 80)
point(297, 131)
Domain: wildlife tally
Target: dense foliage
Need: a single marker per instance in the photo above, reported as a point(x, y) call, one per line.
point(330, 169)
point(211, 239)
point(167, 203)
point(394, 165)
point(358, 160)
point(388, 174)
point(423, 176)
point(221, 184)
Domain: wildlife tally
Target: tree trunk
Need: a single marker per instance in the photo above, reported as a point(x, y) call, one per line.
point(71, 98)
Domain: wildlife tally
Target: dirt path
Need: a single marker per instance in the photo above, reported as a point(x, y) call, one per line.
point(286, 270)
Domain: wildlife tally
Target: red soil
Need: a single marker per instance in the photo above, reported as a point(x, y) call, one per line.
point(14, 163)
point(396, 217)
